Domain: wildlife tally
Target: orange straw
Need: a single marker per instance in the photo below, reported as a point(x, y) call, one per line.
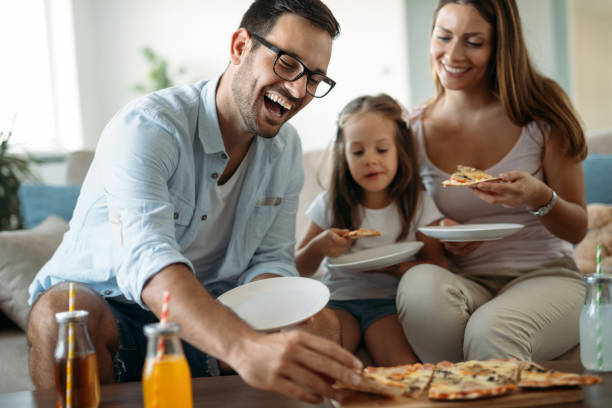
point(161, 345)
point(70, 349)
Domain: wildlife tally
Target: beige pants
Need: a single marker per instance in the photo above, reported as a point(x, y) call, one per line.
point(447, 316)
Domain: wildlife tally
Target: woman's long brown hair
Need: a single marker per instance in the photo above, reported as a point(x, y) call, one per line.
point(525, 94)
point(344, 194)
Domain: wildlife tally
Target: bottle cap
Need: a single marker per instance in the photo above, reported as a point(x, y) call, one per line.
point(155, 329)
point(77, 316)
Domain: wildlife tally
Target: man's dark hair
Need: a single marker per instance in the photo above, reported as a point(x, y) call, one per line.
point(262, 15)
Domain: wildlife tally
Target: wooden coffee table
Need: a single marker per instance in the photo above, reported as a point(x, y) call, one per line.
point(231, 391)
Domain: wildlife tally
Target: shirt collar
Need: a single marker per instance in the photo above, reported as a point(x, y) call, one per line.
point(209, 131)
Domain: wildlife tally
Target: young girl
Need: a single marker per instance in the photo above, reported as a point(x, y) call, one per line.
point(374, 185)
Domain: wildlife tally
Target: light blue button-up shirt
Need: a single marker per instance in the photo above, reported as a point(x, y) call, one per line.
point(148, 189)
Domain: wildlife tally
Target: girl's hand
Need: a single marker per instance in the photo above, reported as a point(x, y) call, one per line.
point(458, 249)
point(332, 242)
point(516, 188)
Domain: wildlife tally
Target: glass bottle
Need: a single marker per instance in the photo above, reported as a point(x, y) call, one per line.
point(85, 388)
point(596, 323)
point(166, 378)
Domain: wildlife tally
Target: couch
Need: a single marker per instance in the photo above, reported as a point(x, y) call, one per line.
point(23, 252)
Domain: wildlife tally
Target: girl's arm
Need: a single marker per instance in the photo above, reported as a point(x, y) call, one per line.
point(568, 217)
point(316, 245)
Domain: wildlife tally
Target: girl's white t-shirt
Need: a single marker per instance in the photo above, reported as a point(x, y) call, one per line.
point(368, 285)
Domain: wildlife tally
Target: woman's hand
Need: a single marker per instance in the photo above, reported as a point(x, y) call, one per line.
point(458, 249)
point(516, 188)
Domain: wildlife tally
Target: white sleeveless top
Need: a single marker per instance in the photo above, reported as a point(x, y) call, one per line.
point(531, 246)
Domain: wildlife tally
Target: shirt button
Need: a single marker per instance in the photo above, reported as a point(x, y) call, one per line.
point(214, 175)
point(175, 215)
point(224, 156)
point(107, 292)
point(204, 217)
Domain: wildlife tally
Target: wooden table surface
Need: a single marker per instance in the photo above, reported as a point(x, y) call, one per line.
point(231, 391)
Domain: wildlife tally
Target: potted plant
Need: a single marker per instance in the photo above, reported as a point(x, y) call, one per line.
point(13, 170)
point(159, 76)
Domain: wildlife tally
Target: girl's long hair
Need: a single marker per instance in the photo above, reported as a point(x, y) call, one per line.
point(344, 194)
point(525, 94)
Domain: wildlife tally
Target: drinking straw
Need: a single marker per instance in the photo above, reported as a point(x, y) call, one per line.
point(70, 348)
point(600, 360)
point(160, 349)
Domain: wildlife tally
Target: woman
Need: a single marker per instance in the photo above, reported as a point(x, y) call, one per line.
point(519, 296)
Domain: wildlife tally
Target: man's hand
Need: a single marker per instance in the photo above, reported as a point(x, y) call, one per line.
point(295, 363)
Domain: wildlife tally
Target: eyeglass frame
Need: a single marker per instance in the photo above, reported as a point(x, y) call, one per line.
point(305, 70)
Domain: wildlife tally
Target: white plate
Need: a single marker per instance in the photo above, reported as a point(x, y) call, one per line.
point(374, 258)
point(471, 232)
point(271, 304)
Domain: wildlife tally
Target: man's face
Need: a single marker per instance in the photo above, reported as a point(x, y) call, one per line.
point(266, 101)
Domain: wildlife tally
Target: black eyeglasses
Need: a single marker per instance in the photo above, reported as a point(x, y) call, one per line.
point(291, 69)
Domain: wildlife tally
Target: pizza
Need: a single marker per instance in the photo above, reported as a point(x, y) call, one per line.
point(467, 380)
point(374, 384)
point(473, 379)
point(533, 375)
point(408, 379)
point(414, 377)
point(360, 233)
point(468, 176)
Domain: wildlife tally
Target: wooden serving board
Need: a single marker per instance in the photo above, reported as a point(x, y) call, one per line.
point(517, 399)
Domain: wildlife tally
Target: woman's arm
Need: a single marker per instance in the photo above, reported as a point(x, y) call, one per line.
point(317, 244)
point(563, 174)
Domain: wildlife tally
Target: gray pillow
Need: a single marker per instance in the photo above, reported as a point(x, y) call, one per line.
point(22, 254)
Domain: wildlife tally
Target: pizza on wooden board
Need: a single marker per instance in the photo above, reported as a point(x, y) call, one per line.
point(533, 375)
point(473, 379)
point(408, 379)
point(360, 233)
point(468, 176)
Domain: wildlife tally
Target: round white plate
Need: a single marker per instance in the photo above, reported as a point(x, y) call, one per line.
point(374, 258)
point(471, 232)
point(274, 303)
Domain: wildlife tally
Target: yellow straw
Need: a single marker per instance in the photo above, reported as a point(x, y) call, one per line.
point(70, 349)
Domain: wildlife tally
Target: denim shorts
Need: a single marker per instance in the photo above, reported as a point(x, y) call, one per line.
point(130, 357)
point(366, 311)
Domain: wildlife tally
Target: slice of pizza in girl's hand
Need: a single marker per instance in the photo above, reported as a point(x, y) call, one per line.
point(360, 233)
point(468, 176)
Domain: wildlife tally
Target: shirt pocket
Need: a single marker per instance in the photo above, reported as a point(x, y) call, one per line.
point(263, 216)
point(182, 215)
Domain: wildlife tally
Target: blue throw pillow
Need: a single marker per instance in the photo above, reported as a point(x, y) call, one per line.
point(38, 201)
point(598, 178)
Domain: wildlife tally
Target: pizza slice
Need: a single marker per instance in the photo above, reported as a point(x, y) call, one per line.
point(468, 176)
point(360, 233)
point(473, 379)
point(414, 377)
point(533, 375)
point(374, 384)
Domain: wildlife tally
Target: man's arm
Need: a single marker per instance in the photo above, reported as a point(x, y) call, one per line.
point(294, 363)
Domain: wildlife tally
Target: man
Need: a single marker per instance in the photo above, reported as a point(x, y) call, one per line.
point(168, 204)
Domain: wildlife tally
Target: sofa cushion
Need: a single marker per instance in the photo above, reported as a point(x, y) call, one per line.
point(22, 254)
point(39, 201)
point(597, 171)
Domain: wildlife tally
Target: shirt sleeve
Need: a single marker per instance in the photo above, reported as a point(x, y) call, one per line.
point(428, 212)
point(141, 154)
point(318, 212)
point(276, 251)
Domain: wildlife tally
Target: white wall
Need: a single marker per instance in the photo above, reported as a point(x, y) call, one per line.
point(368, 57)
point(591, 25)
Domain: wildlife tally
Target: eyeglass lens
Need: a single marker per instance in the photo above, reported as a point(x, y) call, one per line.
point(289, 69)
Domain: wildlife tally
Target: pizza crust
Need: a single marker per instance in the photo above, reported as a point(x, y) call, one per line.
point(360, 233)
point(533, 375)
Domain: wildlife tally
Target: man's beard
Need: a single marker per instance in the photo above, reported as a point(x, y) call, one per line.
point(246, 101)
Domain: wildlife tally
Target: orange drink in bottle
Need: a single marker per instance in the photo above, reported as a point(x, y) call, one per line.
point(166, 378)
